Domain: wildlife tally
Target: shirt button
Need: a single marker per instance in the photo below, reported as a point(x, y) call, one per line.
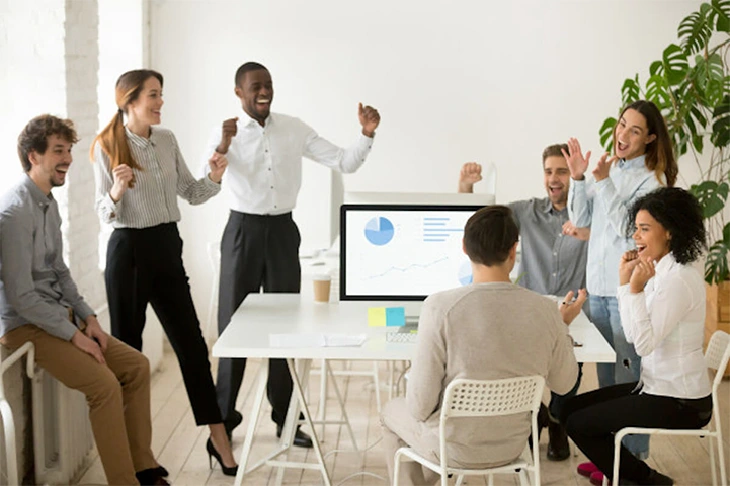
point(555, 274)
point(272, 187)
point(555, 253)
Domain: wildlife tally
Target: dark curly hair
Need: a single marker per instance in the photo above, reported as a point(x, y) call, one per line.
point(34, 137)
point(680, 214)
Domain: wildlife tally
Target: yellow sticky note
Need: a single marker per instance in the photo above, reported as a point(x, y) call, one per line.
point(376, 316)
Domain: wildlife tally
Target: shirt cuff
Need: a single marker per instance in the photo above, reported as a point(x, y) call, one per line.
point(365, 142)
point(83, 310)
point(211, 183)
point(66, 331)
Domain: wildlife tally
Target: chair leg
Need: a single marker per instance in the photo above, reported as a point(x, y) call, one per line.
point(396, 469)
point(721, 459)
point(459, 479)
point(376, 382)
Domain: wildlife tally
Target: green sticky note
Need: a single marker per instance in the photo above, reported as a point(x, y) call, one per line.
point(376, 316)
point(395, 316)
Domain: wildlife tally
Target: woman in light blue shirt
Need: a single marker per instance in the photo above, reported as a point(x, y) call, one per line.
point(643, 161)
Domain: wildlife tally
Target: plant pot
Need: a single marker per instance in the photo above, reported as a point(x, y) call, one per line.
point(718, 311)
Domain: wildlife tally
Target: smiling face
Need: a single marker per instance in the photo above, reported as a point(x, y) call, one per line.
point(256, 93)
point(145, 110)
point(631, 135)
point(48, 170)
point(651, 238)
point(557, 180)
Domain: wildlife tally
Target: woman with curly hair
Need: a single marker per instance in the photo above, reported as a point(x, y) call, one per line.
point(662, 304)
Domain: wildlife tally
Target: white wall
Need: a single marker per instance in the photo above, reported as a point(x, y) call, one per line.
point(454, 81)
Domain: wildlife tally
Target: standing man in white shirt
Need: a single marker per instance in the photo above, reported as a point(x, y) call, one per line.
point(260, 244)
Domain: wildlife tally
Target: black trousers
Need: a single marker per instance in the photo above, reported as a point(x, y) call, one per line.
point(593, 418)
point(256, 251)
point(145, 266)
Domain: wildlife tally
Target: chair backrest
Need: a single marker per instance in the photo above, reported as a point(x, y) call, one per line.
point(489, 398)
point(717, 356)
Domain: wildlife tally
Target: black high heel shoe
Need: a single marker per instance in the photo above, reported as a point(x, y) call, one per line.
point(228, 471)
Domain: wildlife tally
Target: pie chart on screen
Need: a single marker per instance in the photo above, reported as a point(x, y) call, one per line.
point(379, 231)
point(465, 275)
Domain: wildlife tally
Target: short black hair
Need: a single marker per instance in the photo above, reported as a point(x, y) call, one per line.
point(34, 137)
point(245, 68)
point(490, 234)
point(680, 213)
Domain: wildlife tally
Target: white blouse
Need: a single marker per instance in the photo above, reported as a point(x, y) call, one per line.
point(666, 324)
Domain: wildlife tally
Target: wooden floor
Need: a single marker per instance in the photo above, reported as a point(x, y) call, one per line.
point(180, 446)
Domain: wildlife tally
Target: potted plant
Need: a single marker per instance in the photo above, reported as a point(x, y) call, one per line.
point(690, 84)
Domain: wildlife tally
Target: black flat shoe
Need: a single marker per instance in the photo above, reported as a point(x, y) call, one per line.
point(558, 448)
point(301, 439)
point(151, 477)
point(228, 471)
point(161, 471)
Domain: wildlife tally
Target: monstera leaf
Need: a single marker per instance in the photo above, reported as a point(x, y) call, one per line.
point(606, 134)
point(719, 15)
point(716, 269)
point(695, 30)
point(721, 123)
point(711, 195)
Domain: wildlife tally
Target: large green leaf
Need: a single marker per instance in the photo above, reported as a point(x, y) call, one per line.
point(630, 90)
point(657, 92)
point(719, 15)
point(606, 134)
point(675, 64)
point(695, 30)
point(716, 269)
point(726, 234)
point(711, 195)
point(721, 123)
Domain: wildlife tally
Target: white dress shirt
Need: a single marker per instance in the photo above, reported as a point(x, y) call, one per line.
point(164, 176)
point(265, 163)
point(666, 323)
point(604, 206)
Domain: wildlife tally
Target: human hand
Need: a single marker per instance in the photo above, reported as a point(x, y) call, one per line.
point(217, 163)
point(369, 119)
point(626, 266)
point(577, 163)
point(470, 174)
point(569, 308)
point(95, 332)
point(582, 234)
point(643, 271)
point(603, 167)
point(228, 131)
point(123, 179)
point(88, 346)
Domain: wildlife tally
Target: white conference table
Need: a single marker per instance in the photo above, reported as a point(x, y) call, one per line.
point(260, 315)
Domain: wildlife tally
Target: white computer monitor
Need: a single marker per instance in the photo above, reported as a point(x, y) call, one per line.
point(401, 252)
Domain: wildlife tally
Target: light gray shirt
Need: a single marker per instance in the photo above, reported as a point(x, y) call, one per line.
point(551, 263)
point(35, 283)
point(487, 331)
point(164, 176)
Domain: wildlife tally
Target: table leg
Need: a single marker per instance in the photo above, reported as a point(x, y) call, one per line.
point(306, 364)
point(253, 421)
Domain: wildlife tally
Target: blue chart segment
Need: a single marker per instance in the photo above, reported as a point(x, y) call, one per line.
point(465, 275)
point(379, 231)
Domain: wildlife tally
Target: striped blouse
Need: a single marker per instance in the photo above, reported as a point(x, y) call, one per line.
point(153, 200)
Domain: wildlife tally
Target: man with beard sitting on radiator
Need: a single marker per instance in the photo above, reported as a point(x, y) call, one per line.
point(39, 303)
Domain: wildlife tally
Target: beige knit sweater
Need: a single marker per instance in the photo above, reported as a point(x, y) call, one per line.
point(487, 331)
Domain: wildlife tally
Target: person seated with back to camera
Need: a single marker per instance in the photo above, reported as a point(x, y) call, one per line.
point(491, 329)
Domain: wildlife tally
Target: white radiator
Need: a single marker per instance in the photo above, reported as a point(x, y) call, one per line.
point(62, 436)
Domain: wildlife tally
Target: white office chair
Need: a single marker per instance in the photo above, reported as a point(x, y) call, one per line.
point(716, 357)
point(485, 398)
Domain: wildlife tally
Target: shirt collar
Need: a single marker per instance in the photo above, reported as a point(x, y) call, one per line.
point(547, 206)
point(639, 161)
point(141, 141)
point(38, 196)
point(248, 121)
point(665, 265)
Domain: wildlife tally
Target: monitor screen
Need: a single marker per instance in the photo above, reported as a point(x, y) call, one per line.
point(402, 252)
